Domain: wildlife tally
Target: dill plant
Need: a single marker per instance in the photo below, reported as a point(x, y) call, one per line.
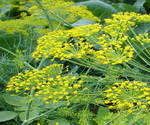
point(118, 93)
point(104, 49)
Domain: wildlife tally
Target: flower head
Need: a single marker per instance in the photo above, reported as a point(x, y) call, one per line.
point(48, 83)
point(126, 95)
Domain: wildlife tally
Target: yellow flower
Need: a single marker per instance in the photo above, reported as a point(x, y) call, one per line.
point(66, 10)
point(107, 101)
point(143, 106)
point(110, 107)
point(120, 105)
point(55, 101)
point(131, 94)
point(130, 111)
point(51, 87)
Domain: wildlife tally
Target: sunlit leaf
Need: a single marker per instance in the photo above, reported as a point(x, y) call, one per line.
point(7, 115)
point(99, 8)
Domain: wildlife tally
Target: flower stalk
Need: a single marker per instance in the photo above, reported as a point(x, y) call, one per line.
point(46, 14)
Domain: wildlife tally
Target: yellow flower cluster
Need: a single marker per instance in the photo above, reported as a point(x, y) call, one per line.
point(126, 95)
point(25, 25)
point(113, 39)
point(143, 18)
point(79, 42)
point(58, 88)
point(107, 45)
point(29, 79)
point(48, 83)
point(66, 44)
point(123, 21)
point(116, 55)
point(82, 12)
point(66, 10)
point(142, 39)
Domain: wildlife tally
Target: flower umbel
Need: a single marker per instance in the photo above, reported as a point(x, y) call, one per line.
point(48, 83)
point(126, 95)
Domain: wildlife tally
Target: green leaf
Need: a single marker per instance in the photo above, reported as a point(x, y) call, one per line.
point(4, 10)
point(82, 22)
point(74, 69)
point(20, 108)
point(139, 4)
point(143, 28)
point(1, 96)
point(32, 114)
point(13, 100)
point(61, 121)
point(102, 112)
point(122, 7)
point(99, 8)
point(147, 6)
point(7, 115)
point(37, 102)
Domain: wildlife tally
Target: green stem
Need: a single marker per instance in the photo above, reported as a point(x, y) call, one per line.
point(46, 14)
point(129, 68)
point(48, 17)
point(62, 19)
point(115, 118)
point(138, 53)
point(108, 123)
point(138, 65)
point(8, 51)
point(28, 109)
point(41, 63)
point(128, 73)
point(58, 26)
point(33, 118)
point(92, 65)
point(31, 94)
point(86, 64)
point(28, 65)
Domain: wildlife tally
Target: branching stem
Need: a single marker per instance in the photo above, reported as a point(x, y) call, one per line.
point(8, 51)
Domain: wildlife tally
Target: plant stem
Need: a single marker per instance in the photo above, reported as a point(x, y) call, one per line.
point(61, 19)
point(138, 65)
point(33, 118)
point(46, 14)
point(31, 94)
point(41, 63)
point(28, 65)
point(48, 17)
point(28, 109)
point(8, 51)
point(129, 73)
point(108, 123)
